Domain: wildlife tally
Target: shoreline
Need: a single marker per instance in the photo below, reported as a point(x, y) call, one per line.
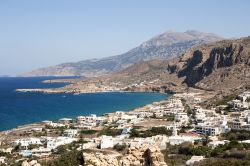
point(39, 123)
point(63, 90)
point(52, 91)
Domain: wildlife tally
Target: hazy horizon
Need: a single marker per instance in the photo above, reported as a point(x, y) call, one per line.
point(37, 34)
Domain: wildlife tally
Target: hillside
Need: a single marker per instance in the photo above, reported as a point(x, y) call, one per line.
point(222, 67)
point(164, 46)
point(216, 66)
point(214, 70)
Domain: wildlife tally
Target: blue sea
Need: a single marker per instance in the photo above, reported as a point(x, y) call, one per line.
point(19, 108)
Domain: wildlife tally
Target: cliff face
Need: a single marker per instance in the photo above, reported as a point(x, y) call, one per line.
point(163, 46)
point(212, 63)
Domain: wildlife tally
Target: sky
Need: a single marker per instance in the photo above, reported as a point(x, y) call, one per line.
point(41, 33)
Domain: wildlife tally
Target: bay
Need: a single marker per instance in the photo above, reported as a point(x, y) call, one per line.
point(17, 108)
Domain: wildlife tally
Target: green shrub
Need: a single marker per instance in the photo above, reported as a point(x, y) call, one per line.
point(88, 131)
point(119, 147)
point(110, 132)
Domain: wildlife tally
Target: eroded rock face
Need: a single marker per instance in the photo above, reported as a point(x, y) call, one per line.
point(136, 156)
point(99, 159)
point(140, 156)
point(218, 61)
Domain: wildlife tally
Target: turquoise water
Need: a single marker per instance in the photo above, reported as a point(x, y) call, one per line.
point(17, 108)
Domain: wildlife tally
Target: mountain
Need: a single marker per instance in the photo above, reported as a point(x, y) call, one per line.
point(216, 66)
point(213, 70)
point(220, 67)
point(164, 46)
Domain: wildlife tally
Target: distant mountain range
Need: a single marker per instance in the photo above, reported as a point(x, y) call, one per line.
point(164, 46)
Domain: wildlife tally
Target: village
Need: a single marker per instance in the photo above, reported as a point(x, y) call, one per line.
point(126, 136)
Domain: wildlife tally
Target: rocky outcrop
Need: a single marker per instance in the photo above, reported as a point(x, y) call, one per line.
point(136, 156)
point(100, 159)
point(143, 156)
point(30, 163)
point(222, 56)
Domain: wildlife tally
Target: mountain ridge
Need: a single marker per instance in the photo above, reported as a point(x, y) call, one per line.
point(214, 70)
point(222, 67)
point(164, 46)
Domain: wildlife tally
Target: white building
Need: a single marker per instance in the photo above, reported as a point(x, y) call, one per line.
point(41, 151)
point(25, 142)
point(182, 118)
point(244, 96)
point(54, 142)
point(136, 142)
point(119, 113)
point(65, 121)
point(2, 159)
point(194, 159)
point(109, 141)
point(128, 117)
point(214, 144)
point(205, 129)
point(176, 139)
point(213, 126)
point(159, 114)
point(70, 133)
point(89, 145)
point(144, 114)
point(84, 119)
point(238, 104)
point(200, 114)
point(7, 150)
point(53, 124)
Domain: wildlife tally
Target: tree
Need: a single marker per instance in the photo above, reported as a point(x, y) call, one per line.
point(119, 147)
point(185, 148)
point(68, 158)
point(206, 140)
point(61, 149)
point(201, 151)
point(134, 133)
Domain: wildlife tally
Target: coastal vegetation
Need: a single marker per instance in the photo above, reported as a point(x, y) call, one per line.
point(67, 158)
point(119, 147)
point(235, 151)
point(225, 100)
point(66, 155)
point(224, 162)
point(88, 131)
point(151, 132)
point(237, 135)
point(109, 131)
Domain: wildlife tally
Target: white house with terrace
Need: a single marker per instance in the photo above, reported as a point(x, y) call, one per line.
point(54, 142)
point(70, 133)
point(210, 129)
point(25, 142)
